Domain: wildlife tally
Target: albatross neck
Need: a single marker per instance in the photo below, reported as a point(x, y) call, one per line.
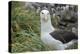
point(47, 26)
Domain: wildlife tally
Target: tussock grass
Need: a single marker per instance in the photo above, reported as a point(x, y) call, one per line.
point(25, 31)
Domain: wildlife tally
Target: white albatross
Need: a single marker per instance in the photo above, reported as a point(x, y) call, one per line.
point(52, 38)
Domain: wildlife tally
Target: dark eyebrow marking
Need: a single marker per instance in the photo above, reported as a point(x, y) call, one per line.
point(42, 13)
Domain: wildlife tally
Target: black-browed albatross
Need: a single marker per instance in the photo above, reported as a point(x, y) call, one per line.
point(58, 40)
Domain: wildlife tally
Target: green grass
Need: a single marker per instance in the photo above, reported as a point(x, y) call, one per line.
point(25, 30)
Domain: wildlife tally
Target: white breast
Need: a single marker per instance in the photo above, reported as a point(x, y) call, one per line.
point(51, 42)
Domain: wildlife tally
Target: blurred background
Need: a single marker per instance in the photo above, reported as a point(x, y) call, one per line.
point(25, 23)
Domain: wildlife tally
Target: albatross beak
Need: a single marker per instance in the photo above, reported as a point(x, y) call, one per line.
point(45, 18)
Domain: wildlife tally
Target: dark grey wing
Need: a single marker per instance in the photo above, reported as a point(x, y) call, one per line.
point(63, 36)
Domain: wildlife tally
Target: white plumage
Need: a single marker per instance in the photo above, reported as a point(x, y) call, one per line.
point(46, 29)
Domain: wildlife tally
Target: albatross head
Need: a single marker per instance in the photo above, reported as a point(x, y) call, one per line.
point(46, 25)
point(45, 15)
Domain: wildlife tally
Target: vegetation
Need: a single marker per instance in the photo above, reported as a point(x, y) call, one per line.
point(25, 30)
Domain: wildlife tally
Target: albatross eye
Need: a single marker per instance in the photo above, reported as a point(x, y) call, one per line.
point(42, 13)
